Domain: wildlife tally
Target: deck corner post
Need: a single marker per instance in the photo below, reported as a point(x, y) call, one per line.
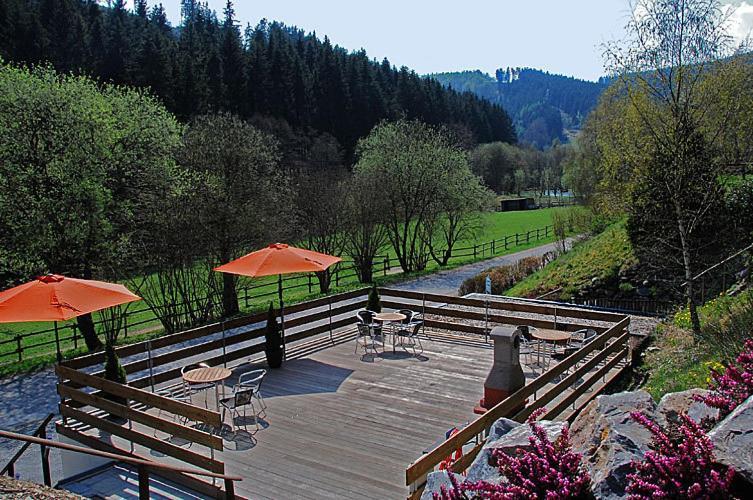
point(143, 482)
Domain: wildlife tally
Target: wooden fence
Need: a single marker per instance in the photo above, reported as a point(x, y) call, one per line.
point(87, 398)
point(140, 318)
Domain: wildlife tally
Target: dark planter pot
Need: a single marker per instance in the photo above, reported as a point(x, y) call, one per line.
point(274, 358)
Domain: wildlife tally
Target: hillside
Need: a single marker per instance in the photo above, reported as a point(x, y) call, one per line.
point(306, 90)
point(543, 106)
point(603, 257)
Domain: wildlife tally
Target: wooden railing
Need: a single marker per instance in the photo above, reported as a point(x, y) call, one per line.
point(89, 399)
point(143, 466)
point(612, 347)
point(40, 432)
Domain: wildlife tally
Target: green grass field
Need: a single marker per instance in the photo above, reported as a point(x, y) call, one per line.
point(38, 341)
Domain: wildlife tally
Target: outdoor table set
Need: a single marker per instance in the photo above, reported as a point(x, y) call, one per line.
point(403, 326)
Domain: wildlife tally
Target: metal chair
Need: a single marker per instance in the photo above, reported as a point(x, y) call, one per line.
point(365, 338)
point(192, 389)
point(176, 392)
point(408, 337)
point(408, 316)
point(241, 398)
point(253, 380)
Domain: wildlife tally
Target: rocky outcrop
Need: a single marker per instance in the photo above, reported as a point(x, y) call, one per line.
point(733, 440)
point(609, 439)
point(675, 403)
point(436, 480)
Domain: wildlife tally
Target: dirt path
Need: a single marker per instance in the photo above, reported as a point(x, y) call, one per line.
point(448, 282)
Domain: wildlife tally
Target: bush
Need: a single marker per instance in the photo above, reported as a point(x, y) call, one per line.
point(374, 304)
point(273, 339)
point(679, 465)
point(504, 277)
point(549, 470)
point(733, 386)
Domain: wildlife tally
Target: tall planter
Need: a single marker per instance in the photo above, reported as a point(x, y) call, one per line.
point(273, 340)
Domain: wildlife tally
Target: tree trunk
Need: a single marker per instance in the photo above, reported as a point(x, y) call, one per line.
point(86, 327)
point(364, 269)
point(229, 296)
point(687, 265)
point(325, 280)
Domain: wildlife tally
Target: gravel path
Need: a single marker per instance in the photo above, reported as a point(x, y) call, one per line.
point(448, 282)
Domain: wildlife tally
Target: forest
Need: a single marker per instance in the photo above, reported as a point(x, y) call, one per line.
point(543, 106)
point(316, 97)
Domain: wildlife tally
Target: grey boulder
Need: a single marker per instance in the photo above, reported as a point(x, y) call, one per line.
point(733, 440)
point(609, 439)
point(674, 403)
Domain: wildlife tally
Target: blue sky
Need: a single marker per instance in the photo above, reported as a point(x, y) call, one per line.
point(560, 36)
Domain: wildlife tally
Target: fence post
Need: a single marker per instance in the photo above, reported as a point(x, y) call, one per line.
point(505, 242)
point(493, 249)
point(385, 265)
point(309, 277)
point(19, 348)
point(245, 296)
point(537, 234)
point(474, 250)
point(337, 276)
point(125, 326)
point(229, 489)
point(516, 240)
point(75, 336)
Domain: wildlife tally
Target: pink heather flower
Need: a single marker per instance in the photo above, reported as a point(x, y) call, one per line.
point(549, 470)
point(734, 386)
point(680, 464)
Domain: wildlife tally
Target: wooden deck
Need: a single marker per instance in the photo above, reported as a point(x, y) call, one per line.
point(340, 425)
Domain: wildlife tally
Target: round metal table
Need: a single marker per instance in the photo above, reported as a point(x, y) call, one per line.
point(213, 375)
point(551, 336)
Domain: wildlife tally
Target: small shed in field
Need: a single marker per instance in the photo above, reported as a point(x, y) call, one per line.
point(513, 204)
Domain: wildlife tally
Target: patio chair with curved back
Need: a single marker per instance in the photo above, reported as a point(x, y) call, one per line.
point(253, 380)
point(408, 316)
point(366, 339)
point(241, 398)
point(192, 389)
point(407, 335)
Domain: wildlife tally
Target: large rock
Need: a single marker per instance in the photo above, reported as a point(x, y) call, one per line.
point(508, 436)
point(733, 440)
point(435, 481)
point(609, 439)
point(675, 403)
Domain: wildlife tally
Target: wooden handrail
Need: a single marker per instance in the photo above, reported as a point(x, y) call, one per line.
point(114, 456)
point(10, 466)
point(427, 462)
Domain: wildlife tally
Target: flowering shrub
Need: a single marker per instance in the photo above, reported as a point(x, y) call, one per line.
point(679, 465)
point(550, 470)
point(734, 385)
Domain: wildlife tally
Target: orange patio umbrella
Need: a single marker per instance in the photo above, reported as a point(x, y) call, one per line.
point(57, 298)
point(278, 259)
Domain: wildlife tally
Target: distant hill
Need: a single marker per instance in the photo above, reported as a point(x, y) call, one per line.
point(543, 106)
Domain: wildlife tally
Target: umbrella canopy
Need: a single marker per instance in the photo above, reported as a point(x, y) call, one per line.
point(57, 298)
point(279, 258)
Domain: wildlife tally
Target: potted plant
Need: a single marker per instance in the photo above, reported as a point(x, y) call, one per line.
point(273, 340)
point(112, 321)
point(374, 304)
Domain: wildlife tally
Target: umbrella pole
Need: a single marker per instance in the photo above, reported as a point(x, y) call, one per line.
point(57, 343)
point(282, 315)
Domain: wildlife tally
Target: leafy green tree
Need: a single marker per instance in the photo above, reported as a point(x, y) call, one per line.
point(242, 194)
point(672, 47)
point(78, 166)
point(414, 166)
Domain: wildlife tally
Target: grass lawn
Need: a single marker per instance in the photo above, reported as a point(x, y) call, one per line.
point(38, 341)
point(602, 256)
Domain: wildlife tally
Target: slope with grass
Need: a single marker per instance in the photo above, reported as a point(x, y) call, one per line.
point(603, 257)
point(678, 361)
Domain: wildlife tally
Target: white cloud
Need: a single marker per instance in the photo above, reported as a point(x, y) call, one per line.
point(740, 20)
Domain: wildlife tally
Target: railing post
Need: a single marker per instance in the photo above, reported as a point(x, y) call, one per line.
point(149, 363)
point(505, 242)
point(329, 303)
point(19, 348)
point(224, 347)
point(46, 477)
point(309, 277)
point(143, 482)
point(229, 489)
point(474, 251)
point(12, 470)
point(245, 296)
point(493, 249)
point(337, 276)
point(75, 335)
point(516, 240)
point(423, 314)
